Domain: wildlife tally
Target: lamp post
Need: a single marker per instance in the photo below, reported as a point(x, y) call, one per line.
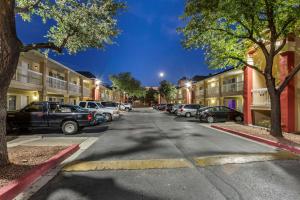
point(161, 76)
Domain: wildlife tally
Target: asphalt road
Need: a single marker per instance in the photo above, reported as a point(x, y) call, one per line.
point(151, 155)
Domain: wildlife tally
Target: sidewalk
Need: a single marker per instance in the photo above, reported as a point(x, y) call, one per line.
point(289, 141)
point(33, 156)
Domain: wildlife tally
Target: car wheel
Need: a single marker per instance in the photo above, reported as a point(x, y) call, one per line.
point(210, 119)
point(127, 109)
point(238, 119)
point(69, 127)
point(108, 117)
point(188, 114)
point(8, 128)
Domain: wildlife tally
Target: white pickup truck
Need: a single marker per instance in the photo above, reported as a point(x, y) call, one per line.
point(95, 106)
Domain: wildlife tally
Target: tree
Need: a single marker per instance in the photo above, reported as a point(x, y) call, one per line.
point(151, 96)
point(125, 83)
point(76, 25)
point(226, 30)
point(167, 90)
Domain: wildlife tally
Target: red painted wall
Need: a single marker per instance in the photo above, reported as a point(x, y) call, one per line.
point(287, 61)
point(247, 95)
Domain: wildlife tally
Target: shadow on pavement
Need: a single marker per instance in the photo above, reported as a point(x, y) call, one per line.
point(71, 186)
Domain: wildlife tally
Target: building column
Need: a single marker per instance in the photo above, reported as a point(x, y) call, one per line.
point(247, 95)
point(288, 107)
point(220, 90)
point(81, 89)
point(45, 72)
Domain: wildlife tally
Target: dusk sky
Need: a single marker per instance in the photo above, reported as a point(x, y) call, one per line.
point(147, 45)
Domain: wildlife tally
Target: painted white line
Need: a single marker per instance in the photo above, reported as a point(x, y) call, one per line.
point(52, 173)
point(14, 144)
point(260, 143)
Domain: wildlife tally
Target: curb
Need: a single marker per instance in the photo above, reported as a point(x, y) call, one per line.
point(259, 139)
point(15, 187)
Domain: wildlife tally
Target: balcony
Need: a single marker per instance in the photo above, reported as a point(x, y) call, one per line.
point(261, 98)
point(86, 92)
point(27, 80)
point(56, 83)
point(212, 92)
point(73, 88)
point(233, 89)
point(28, 76)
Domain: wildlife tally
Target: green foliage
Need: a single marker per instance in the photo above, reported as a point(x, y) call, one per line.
point(151, 96)
point(227, 29)
point(167, 90)
point(78, 24)
point(124, 82)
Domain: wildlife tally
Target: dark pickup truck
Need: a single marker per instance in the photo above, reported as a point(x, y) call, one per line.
point(69, 118)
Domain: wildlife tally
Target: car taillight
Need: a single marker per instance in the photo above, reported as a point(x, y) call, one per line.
point(181, 110)
point(90, 117)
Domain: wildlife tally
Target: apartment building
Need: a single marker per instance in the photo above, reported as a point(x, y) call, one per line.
point(257, 105)
point(39, 78)
point(224, 88)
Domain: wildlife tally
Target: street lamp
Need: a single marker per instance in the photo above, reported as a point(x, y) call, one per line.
point(161, 74)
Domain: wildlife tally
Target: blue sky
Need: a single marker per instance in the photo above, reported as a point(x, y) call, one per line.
point(147, 45)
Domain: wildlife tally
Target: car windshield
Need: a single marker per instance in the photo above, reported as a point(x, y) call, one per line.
point(109, 104)
point(100, 105)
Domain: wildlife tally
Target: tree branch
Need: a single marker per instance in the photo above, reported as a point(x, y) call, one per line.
point(27, 8)
point(46, 45)
point(286, 24)
point(281, 46)
point(247, 64)
point(288, 78)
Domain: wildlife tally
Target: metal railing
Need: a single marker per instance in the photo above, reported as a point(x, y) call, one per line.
point(56, 83)
point(28, 76)
point(212, 91)
point(86, 92)
point(261, 97)
point(233, 87)
point(74, 88)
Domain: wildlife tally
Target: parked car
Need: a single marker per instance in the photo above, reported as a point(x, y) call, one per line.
point(219, 113)
point(69, 118)
point(110, 105)
point(188, 110)
point(162, 107)
point(125, 106)
point(169, 107)
point(94, 106)
point(175, 108)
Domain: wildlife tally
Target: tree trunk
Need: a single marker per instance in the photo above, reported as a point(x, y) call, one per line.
point(9, 56)
point(276, 129)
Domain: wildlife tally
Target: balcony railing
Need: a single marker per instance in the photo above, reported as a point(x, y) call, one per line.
point(212, 91)
point(233, 88)
point(86, 92)
point(74, 88)
point(261, 97)
point(28, 76)
point(200, 93)
point(56, 83)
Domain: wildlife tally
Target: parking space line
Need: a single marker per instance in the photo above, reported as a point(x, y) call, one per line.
point(243, 158)
point(127, 165)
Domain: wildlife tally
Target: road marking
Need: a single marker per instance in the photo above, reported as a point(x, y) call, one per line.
point(243, 158)
point(127, 165)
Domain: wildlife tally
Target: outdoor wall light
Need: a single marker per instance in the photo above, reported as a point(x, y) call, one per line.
point(213, 101)
point(98, 82)
point(213, 84)
point(188, 84)
point(35, 97)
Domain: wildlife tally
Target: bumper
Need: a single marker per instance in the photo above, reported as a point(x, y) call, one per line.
point(115, 116)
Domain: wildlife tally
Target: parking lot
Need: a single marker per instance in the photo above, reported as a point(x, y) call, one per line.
point(148, 154)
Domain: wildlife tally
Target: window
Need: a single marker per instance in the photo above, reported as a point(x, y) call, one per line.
point(224, 109)
point(82, 104)
point(12, 101)
point(92, 105)
point(36, 107)
point(214, 109)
